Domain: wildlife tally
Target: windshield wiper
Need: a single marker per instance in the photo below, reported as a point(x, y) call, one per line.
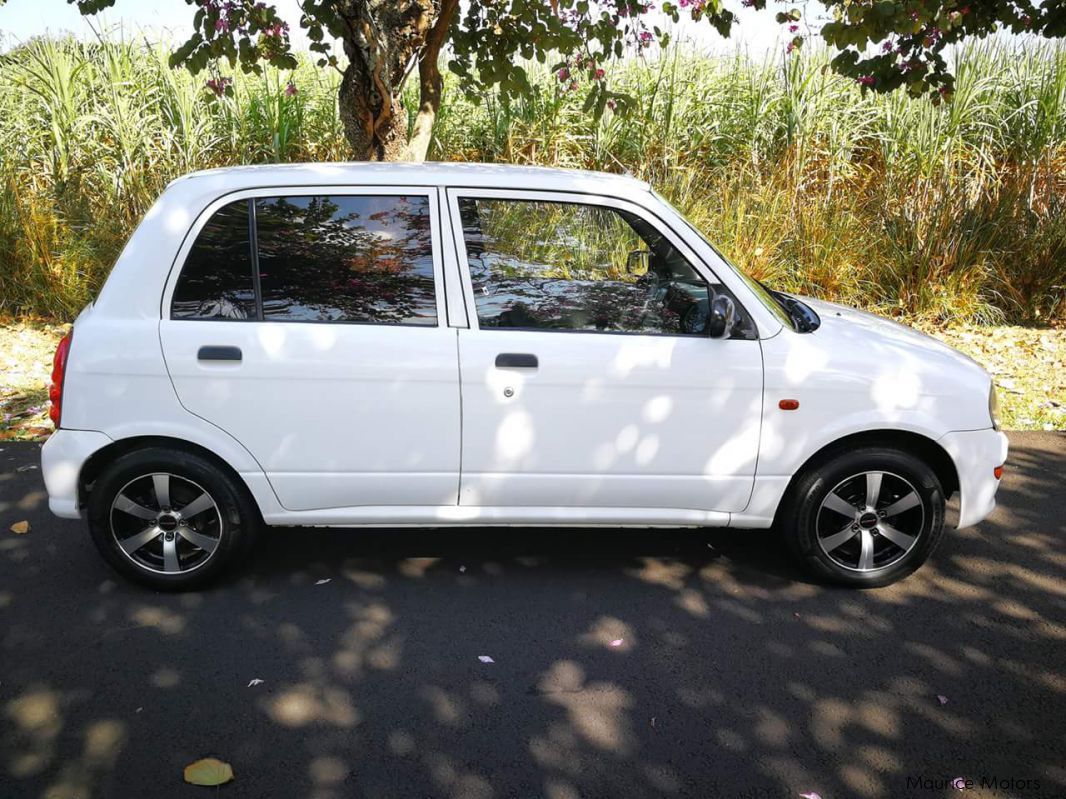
point(803, 316)
point(804, 319)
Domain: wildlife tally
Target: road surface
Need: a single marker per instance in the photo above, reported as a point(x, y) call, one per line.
point(734, 676)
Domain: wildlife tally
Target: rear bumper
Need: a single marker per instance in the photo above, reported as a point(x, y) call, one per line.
point(62, 457)
point(976, 453)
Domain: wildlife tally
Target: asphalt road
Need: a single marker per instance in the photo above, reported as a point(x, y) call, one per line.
point(735, 677)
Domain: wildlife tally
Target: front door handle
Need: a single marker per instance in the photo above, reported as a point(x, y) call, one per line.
point(214, 352)
point(516, 360)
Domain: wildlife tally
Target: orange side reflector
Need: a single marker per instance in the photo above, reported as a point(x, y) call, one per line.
point(998, 472)
point(788, 404)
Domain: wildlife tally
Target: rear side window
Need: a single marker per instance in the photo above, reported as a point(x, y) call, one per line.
point(216, 281)
point(343, 258)
point(346, 259)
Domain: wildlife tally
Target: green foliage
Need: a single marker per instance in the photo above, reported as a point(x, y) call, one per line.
point(946, 213)
point(883, 45)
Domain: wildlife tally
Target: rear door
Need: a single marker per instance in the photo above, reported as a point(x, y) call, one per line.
point(589, 378)
point(309, 325)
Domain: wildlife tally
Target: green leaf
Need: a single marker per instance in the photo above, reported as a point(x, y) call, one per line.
point(590, 101)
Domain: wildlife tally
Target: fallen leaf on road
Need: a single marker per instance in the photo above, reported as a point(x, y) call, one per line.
point(323, 582)
point(941, 699)
point(616, 642)
point(485, 659)
point(255, 681)
point(20, 528)
point(208, 771)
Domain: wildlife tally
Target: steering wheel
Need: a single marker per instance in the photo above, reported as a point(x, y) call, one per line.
point(696, 317)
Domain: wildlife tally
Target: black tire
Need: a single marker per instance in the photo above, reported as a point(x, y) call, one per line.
point(819, 535)
point(231, 521)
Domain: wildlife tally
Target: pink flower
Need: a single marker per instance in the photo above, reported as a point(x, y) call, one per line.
point(645, 37)
point(290, 89)
point(612, 104)
point(218, 85)
point(886, 47)
point(599, 74)
point(866, 80)
point(563, 73)
point(222, 25)
point(793, 28)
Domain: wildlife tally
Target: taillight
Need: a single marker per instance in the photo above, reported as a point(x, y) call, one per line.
point(59, 371)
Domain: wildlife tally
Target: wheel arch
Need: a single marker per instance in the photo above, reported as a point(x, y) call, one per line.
point(922, 447)
point(100, 459)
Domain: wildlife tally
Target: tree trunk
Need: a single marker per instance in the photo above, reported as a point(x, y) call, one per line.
point(384, 39)
point(374, 125)
point(430, 83)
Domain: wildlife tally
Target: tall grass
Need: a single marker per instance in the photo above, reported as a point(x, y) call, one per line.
point(940, 214)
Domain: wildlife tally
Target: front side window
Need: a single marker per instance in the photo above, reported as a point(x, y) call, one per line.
point(551, 265)
point(216, 281)
point(346, 259)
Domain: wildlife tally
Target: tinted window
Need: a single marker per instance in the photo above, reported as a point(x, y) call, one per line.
point(568, 266)
point(216, 280)
point(346, 259)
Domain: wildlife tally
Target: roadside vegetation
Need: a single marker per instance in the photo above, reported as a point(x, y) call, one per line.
point(940, 216)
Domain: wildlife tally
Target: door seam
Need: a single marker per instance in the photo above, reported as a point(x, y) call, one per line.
point(462, 417)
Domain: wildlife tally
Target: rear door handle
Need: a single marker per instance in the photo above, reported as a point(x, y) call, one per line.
point(217, 353)
point(516, 360)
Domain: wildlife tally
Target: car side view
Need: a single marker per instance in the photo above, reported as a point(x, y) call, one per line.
point(450, 345)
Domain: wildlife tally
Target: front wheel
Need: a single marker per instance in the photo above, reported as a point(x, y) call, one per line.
point(169, 519)
point(865, 518)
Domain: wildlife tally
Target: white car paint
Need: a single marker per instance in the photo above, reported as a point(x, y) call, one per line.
point(607, 421)
point(375, 425)
point(344, 414)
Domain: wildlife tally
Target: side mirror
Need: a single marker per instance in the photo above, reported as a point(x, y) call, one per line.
point(638, 262)
point(723, 314)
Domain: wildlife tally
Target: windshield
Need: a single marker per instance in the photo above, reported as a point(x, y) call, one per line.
point(766, 297)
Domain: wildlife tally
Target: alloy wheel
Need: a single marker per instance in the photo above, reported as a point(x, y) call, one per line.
point(870, 520)
point(165, 523)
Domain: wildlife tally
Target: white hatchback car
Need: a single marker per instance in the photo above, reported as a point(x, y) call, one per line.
point(433, 345)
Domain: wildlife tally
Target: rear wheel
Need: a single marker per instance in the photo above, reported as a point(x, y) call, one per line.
point(169, 519)
point(865, 518)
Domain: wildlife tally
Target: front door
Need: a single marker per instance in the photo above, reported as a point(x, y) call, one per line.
point(307, 325)
point(589, 378)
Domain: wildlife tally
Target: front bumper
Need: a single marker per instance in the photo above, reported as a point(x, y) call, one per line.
point(62, 458)
point(976, 454)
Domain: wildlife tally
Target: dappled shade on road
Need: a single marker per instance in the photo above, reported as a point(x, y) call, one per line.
point(732, 674)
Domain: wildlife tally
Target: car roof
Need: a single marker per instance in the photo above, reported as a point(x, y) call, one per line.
point(509, 176)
